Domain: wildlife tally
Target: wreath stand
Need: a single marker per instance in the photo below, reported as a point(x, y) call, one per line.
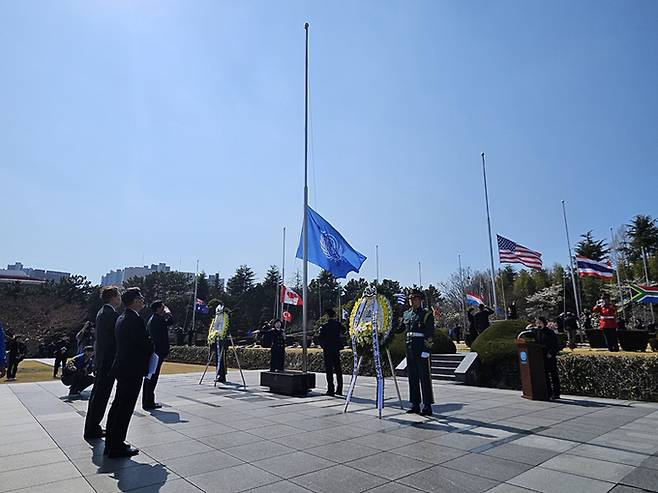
point(374, 321)
point(218, 354)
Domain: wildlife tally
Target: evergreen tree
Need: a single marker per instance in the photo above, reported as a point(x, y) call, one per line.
point(203, 287)
point(591, 248)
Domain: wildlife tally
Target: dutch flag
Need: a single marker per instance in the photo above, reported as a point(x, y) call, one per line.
point(474, 299)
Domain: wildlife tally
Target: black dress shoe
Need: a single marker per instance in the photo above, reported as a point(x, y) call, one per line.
point(123, 452)
point(330, 394)
point(426, 412)
point(157, 405)
point(413, 410)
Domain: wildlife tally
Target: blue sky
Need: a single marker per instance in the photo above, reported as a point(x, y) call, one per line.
point(143, 132)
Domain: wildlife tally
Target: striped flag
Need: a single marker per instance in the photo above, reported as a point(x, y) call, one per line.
point(594, 268)
point(400, 298)
point(474, 299)
point(513, 253)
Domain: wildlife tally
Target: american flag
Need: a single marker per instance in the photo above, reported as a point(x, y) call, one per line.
point(513, 253)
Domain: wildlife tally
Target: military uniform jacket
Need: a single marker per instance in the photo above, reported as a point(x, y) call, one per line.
point(414, 323)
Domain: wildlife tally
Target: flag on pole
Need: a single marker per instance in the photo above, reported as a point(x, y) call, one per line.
point(201, 307)
point(289, 297)
point(287, 316)
point(510, 252)
point(328, 249)
point(473, 299)
point(345, 314)
point(594, 268)
point(644, 294)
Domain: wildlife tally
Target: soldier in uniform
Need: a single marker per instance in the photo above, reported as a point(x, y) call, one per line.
point(418, 324)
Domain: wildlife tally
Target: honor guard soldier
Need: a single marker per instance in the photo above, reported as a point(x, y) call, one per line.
point(418, 324)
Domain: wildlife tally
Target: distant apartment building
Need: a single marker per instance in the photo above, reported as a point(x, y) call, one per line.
point(20, 271)
point(215, 280)
point(117, 277)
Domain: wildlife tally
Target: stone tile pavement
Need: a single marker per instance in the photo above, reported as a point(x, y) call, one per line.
point(226, 439)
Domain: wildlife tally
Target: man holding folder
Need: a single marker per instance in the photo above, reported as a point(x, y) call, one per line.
point(131, 364)
point(158, 329)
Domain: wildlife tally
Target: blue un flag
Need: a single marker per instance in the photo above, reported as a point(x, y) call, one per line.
point(328, 249)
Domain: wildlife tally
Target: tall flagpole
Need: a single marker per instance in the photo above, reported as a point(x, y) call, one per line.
point(461, 285)
point(420, 277)
point(621, 294)
point(277, 296)
point(493, 270)
point(377, 261)
point(646, 277)
point(573, 273)
point(196, 278)
point(305, 227)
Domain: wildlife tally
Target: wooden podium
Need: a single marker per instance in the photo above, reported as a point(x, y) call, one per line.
point(531, 366)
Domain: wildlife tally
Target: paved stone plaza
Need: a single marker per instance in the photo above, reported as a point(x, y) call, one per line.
point(225, 439)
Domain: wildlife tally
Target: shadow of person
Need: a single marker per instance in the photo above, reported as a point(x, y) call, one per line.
point(154, 475)
point(167, 417)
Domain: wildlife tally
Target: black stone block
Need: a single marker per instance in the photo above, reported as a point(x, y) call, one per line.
point(287, 382)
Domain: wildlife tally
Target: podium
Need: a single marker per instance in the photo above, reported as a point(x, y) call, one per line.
point(531, 366)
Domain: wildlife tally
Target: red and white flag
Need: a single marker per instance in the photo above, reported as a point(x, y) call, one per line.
point(289, 297)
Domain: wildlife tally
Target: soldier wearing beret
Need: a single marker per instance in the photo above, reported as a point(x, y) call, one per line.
point(418, 325)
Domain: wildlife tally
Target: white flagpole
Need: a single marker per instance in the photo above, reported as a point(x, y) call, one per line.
point(646, 277)
point(377, 261)
point(621, 294)
point(493, 270)
point(573, 272)
point(196, 278)
point(461, 285)
point(305, 227)
point(420, 277)
point(283, 276)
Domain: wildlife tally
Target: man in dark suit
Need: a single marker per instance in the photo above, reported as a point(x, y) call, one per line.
point(104, 350)
point(158, 329)
point(330, 338)
point(131, 362)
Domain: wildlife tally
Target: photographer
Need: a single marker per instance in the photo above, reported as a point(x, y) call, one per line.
point(77, 372)
point(608, 322)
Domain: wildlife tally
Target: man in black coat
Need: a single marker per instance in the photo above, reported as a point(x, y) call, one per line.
point(104, 351)
point(481, 318)
point(131, 362)
point(330, 338)
point(158, 329)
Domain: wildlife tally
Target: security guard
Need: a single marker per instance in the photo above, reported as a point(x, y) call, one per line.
point(418, 324)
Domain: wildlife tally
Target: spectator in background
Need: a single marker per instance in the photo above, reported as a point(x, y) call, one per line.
point(621, 323)
point(3, 352)
point(330, 338)
point(61, 349)
point(104, 351)
point(608, 322)
point(85, 337)
point(587, 319)
point(77, 372)
point(512, 312)
point(570, 324)
point(158, 329)
point(180, 336)
point(17, 351)
point(472, 334)
point(481, 318)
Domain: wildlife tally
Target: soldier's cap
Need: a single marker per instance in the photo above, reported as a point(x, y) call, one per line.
point(416, 293)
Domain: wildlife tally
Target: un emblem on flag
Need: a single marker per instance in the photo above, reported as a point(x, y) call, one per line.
point(330, 246)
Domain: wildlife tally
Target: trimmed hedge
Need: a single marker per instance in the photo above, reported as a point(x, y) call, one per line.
point(611, 376)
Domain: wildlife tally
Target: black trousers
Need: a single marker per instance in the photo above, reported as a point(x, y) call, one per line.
point(418, 372)
point(148, 389)
point(12, 366)
point(552, 377)
point(81, 382)
point(59, 360)
point(100, 395)
point(121, 411)
point(331, 367)
point(277, 358)
point(611, 339)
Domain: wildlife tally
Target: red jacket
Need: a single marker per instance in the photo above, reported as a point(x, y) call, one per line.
point(608, 316)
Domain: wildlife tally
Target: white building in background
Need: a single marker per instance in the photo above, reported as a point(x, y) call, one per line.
point(19, 270)
point(117, 277)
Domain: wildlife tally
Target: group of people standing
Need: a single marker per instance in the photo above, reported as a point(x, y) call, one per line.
point(123, 353)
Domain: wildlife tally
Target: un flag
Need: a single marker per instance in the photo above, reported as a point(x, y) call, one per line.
point(328, 249)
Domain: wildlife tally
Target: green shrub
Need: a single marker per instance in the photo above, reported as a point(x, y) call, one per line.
point(633, 340)
point(610, 376)
point(497, 343)
point(441, 343)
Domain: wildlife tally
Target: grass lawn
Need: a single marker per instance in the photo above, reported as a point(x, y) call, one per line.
point(34, 371)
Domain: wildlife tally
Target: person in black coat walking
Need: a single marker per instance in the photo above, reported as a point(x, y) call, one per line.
point(330, 337)
point(131, 362)
point(60, 352)
point(17, 352)
point(158, 329)
point(104, 351)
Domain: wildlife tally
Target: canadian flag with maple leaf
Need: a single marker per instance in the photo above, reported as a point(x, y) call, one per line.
point(289, 297)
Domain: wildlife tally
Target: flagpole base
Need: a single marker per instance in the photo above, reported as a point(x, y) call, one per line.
point(287, 382)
